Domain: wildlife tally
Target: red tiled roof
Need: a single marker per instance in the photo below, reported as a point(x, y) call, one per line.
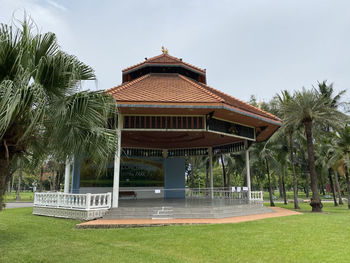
point(177, 89)
point(163, 88)
point(164, 59)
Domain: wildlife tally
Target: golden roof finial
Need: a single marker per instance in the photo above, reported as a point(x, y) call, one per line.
point(164, 50)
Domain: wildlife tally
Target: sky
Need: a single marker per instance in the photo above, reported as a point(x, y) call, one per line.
point(248, 47)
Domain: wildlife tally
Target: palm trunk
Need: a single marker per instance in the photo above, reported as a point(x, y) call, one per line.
point(223, 171)
point(280, 185)
point(347, 183)
point(5, 160)
point(18, 196)
point(41, 179)
point(229, 179)
point(315, 203)
point(322, 186)
point(4, 167)
point(332, 186)
point(229, 183)
point(269, 178)
point(284, 187)
point(295, 183)
point(59, 176)
point(52, 180)
point(9, 187)
point(307, 184)
point(338, 187)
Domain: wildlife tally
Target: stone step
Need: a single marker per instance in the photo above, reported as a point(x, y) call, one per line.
point(184, 212)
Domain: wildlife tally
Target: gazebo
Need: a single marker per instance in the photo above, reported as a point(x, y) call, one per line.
point(167, 112)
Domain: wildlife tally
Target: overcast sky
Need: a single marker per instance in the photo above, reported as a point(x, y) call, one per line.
point(248, 47)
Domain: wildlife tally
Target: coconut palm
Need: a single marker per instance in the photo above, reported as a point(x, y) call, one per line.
point(262, 156)
point(327, 91)
point(342, 153)
point(40, 103)
point(288, 129)
point(324, 163)
point(307, 108)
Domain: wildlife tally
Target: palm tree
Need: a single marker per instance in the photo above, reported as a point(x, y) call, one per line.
point(327, 91)
point(288, 130)
point(262, 155)
point(40, 103)
point(342, 142)
point(324, 162)
point(307, 108)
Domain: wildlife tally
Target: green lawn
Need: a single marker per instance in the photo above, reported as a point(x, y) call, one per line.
point(25, 197)
point(301, 238)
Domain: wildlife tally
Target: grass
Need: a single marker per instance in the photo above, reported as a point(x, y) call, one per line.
point(25, 197)
point(310, 237)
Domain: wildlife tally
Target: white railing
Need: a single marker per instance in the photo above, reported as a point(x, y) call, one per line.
point(223, 193)
point(256, 196)
point(218, 193)
point(73, 201)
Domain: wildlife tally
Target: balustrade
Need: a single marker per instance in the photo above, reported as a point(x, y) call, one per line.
point(73, 201)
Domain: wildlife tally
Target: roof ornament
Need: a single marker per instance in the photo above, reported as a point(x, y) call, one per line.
point(165, 50)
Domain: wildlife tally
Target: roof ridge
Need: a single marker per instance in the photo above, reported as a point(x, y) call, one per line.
point(164, 55)
point(200, 87)
point(243, 102)
point(186, 63)
point(125, 85)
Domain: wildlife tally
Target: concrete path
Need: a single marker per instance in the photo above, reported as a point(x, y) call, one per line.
point(116, 223)
point(19, 204)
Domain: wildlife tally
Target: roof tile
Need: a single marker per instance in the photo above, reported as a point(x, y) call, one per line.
point(176, 88)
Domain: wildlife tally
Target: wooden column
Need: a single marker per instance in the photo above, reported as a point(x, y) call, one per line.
point(117, 156)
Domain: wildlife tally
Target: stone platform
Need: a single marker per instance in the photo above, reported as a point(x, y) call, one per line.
point(121, 223)
point(184, 208)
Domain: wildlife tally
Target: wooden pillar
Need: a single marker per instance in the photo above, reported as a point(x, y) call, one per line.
point(67, 176)
point(117, 156)
point(210, 154)
point(248, 173)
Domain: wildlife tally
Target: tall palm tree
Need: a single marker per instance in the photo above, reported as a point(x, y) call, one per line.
point(324, 163)
point(327, 91)
point(288, 129)
point(40, 102)
point(262, 155)
point(342, 142)
point(307, 108)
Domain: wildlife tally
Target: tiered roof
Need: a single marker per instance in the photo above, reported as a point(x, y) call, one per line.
point(154, 87)
point(176, 89)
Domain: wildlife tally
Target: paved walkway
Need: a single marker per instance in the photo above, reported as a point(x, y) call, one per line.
point(116, 223)
point(19, 204)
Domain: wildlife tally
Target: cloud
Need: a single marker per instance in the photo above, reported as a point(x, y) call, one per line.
point(56, 5)
point(47, 15)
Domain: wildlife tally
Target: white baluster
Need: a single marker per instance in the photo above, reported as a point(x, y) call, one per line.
point(88, 200)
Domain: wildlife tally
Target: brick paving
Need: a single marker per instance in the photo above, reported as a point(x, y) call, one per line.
point(118, 223)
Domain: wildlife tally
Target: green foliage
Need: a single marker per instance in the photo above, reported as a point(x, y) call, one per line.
point(42, 111)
